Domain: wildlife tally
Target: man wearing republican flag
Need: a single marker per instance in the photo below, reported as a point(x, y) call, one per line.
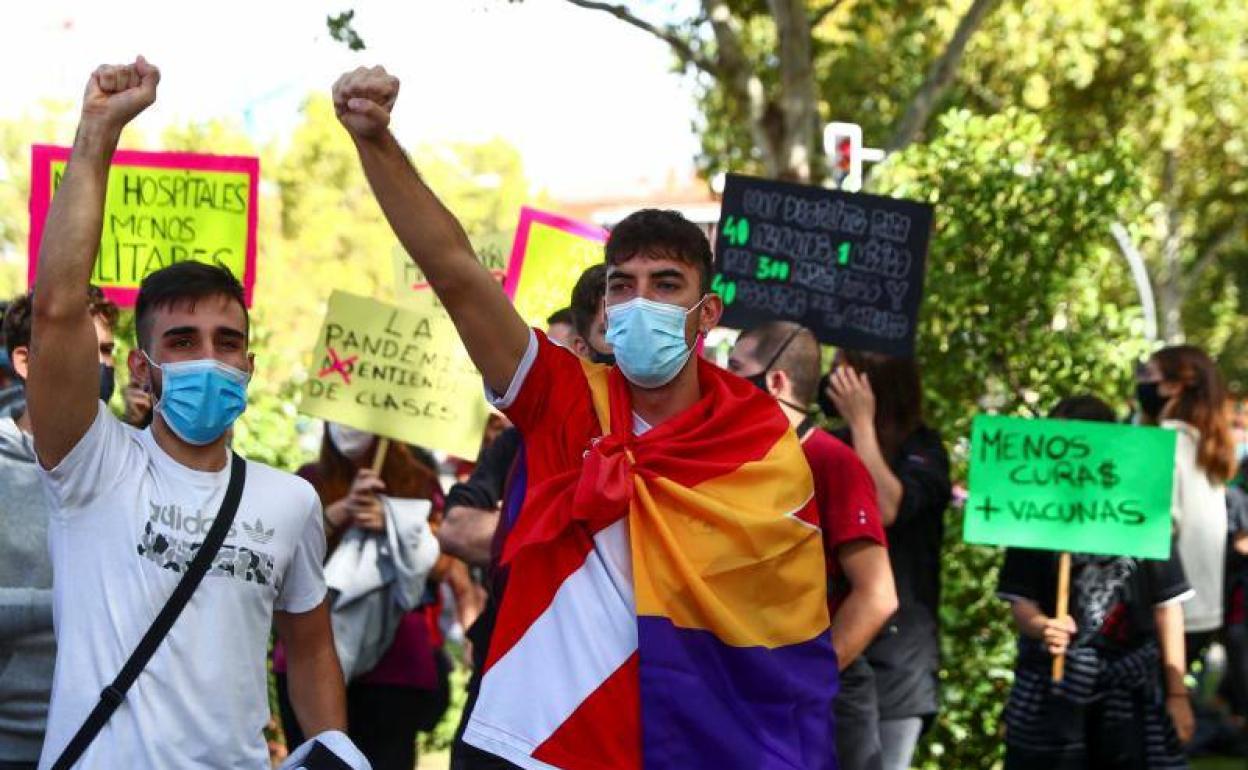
point(666, 604)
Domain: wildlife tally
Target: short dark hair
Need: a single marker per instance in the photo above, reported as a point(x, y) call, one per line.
point(184, 282)
point(799, 359)
point(102, 306)
point(661, 233)
point(1083, 407)
point(17, 317)
point(561, 316)
point(898, 386)
point(17, 324)
point(588, 293)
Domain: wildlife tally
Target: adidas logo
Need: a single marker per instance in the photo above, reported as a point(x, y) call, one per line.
point(257, 532)
point(175, 518)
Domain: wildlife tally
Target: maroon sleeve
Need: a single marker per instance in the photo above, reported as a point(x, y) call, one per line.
point(851, 511)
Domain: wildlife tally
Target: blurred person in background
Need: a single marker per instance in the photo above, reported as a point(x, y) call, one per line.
point(408, 690)
point(782, 359)
point(27, 645)
point(1181, 389)
point(880, 399)
point(561, 328)
point(1122, 704)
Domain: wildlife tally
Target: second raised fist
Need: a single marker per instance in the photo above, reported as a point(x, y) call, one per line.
point(363, 100)
point(117, 93)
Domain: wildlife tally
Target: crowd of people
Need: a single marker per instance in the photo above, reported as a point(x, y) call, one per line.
point(657, 561)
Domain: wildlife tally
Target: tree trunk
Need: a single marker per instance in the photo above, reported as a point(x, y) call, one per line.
point(739, 79)
point(785, 127)
point(939, 77)
point(1171, 286)
point(799, 148)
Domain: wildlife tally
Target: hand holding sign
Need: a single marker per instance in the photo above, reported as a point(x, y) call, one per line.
point(363, 100)
point(362, 502)
point(116, 94)
point(1057, 633)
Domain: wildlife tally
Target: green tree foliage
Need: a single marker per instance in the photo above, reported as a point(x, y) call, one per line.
point(47, 124)
point(1027, 302)
point(1026, 297)
point(1172, 77)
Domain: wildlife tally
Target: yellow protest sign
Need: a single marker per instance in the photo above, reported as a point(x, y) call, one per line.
point(399, 372)
point(410, 283)
point(549, 254)
point(160, 208)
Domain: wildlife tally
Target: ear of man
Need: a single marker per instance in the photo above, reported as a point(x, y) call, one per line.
point(20, 360)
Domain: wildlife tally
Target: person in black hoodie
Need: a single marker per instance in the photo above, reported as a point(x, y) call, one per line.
point(880, 399)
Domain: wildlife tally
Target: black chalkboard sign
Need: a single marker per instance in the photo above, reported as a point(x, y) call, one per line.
point(848, 266)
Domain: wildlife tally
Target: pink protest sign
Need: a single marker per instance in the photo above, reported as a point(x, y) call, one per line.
point(547, 257)
point(160, 208)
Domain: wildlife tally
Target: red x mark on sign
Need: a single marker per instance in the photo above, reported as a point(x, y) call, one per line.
point(338, 365)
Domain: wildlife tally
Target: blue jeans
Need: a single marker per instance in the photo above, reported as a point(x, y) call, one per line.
point(898, 737)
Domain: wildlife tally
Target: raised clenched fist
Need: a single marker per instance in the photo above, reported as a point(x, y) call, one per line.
point(363, 100)
point(117, 93)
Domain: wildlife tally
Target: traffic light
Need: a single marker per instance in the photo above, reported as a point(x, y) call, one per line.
point(843, 144)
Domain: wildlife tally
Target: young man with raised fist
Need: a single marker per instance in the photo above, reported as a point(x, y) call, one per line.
point(131, 508)
point(665, 600)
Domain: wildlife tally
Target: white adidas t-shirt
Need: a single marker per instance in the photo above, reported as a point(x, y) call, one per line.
point(125, 519)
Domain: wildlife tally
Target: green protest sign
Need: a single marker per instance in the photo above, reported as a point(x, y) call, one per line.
point(1059, 485)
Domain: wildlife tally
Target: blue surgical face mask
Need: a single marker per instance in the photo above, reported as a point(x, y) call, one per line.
point(200, 399)
point(648, 339)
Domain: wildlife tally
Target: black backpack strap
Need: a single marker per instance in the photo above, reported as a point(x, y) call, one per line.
point(321, 758)
point(115, 693)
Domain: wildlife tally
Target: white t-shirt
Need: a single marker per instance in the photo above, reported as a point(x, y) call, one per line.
point(1199, 513)
point(126, 519)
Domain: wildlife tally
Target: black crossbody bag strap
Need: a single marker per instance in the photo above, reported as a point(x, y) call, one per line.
point(115, 693)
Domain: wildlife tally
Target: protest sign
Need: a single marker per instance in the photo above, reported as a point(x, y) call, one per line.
point(1062, 485)
point(848, 266)
point(399, 372)
point(549, 254)
point(160, 208)
point(410, 283)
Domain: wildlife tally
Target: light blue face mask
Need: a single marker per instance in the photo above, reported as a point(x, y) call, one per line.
point(648, 338)
point(201, 399)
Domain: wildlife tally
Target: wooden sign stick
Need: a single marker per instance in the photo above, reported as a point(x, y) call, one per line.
point(1063, 607)
point(379, 459)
